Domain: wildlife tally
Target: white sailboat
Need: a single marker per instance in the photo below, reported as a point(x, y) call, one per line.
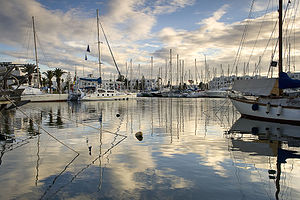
point(99, 93)
point(102, 94)
point(35, 94)
point(269, 103)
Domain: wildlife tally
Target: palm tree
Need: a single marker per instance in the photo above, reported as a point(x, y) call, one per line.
point(29, 70)
point(58, 73)
point(49, 74)
point(44, 81)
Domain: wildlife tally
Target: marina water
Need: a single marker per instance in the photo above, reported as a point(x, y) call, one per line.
point(186, 149)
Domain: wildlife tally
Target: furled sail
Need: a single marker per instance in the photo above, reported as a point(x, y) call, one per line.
point(286, 82)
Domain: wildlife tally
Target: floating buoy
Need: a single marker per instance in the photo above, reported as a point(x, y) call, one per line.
point(139, 136)
point(268, 108)
point(118, 115)
point(255, 107)
point(279, 110)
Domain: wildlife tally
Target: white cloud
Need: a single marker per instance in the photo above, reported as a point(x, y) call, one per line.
point(63, 36)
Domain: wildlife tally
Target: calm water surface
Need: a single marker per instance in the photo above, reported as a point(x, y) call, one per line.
point(190, 149)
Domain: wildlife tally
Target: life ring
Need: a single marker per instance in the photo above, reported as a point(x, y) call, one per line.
point(255, 107)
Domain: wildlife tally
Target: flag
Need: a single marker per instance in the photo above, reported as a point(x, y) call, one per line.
point(273, 64)
point(88, 48)
point(85, 57)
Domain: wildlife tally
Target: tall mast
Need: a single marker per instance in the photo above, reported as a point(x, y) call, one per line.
point(280, 42)
point(35, 50)
point(196, 70)
point(171, 78)
point(280, 38)
point(177, 63)
point(98, 37)
point(151, 67)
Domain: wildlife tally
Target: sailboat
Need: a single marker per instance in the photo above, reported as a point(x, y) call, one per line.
point(35, 94)
point(99, 93)
point(269, 103)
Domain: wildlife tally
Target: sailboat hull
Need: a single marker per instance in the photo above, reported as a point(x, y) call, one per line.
point(95, 97)
point(45, 97)
point(267, 111)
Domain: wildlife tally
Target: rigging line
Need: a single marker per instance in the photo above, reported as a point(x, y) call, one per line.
point(293, 17)
point(275, 47)
point(109, 48)
point(243, 37)
point(236, 169)
point(7, 98)
point(43, 52)
point(295, 40)
point(261, 25)
point(56, 177)
point(292, 30)
point(28, 39)
point(78, 122)
point(282, 23)
point(86, 167)
point(286, 35)
point(260, 176)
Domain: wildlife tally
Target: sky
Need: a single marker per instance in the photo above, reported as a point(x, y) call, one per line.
point(139, 29)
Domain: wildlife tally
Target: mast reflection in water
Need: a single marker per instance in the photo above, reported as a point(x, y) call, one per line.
point(276, 141)
point(191, 148)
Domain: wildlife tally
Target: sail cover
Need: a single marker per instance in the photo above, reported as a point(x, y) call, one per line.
point(92, 79)
point(256, 87)
point(286, 82)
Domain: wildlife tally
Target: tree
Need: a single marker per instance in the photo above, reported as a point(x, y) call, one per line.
point(44, 81)
point(29, 70)
point(58, 73)
point(49, 74)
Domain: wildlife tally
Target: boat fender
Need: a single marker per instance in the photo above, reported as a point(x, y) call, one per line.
point(268, 108)
point(279, 110)
point(255, 107)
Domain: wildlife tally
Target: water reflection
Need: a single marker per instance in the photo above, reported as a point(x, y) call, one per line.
point(272, 140)
point(89, 150)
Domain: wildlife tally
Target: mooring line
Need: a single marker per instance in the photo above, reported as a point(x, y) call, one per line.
point(86, 167)
point(80, 122)
point(55, 179)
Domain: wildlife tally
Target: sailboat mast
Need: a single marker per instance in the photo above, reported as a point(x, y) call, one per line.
point(98, 37)
point(171, 78)
point(280, 38)
point(35, 50)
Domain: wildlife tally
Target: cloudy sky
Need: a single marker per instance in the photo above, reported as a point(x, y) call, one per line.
point(139, 29)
